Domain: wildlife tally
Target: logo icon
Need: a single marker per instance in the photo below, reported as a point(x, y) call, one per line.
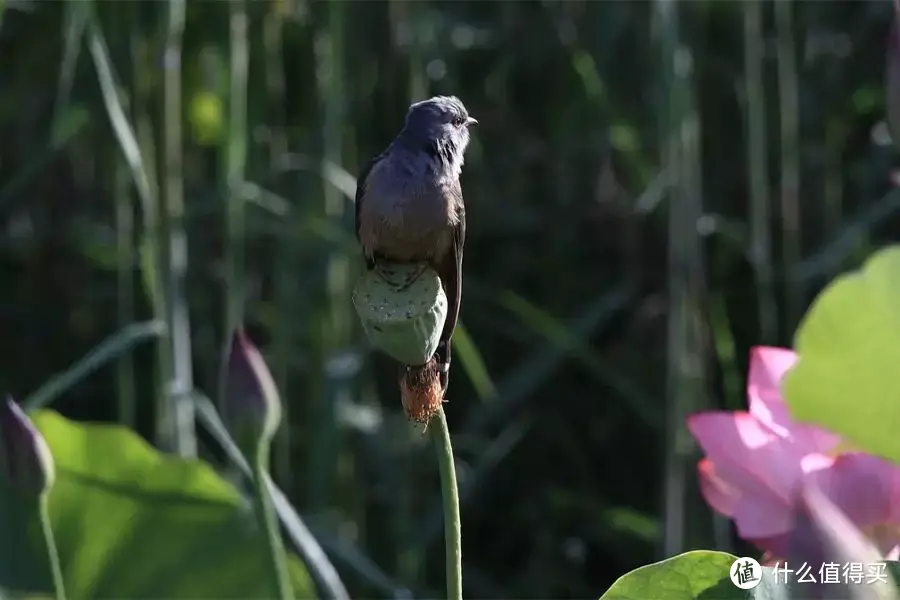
point(745, 573)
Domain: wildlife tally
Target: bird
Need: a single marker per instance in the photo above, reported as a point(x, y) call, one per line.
point(409, 203)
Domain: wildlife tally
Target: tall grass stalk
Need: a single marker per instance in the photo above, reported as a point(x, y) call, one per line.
point(686, 387)
point(184, 428)
point(789, 111)
point(150, 259)
point(235, 166)
point(126, 396)
point(138, 152)
point(285, 267)
point(336, 325)
point(758, 169)
point(127, 393)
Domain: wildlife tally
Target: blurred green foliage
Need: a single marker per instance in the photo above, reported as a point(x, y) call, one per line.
point(654, 187)
point(856, 397)
point(131, 523)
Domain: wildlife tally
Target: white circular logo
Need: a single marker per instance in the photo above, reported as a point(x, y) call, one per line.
point(745, 573)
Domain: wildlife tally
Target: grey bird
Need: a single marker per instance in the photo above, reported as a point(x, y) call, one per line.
point(409, 204)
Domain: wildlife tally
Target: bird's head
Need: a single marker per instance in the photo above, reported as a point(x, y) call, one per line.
point(441, 122)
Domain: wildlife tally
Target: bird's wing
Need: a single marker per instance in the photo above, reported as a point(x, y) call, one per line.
point(361, 188)
point(450, 272)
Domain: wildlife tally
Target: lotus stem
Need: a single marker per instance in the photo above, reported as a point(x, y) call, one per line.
point(52, 554)
point(265, 512)
point(440, 433)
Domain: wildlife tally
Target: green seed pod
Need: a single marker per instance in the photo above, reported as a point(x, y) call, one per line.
point(402, 308)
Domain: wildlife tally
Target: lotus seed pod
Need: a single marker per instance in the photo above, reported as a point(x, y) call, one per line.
point(402, 308)
point(252, 407)
point(25, 458)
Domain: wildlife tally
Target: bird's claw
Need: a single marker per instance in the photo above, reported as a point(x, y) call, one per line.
point(444, 374)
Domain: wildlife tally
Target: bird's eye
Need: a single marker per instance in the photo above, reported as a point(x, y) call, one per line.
point(459, 120)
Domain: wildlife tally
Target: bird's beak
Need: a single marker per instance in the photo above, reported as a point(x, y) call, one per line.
point(471, 121)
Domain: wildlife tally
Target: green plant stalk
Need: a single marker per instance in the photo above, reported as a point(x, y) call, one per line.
point(450, 497)
point(182, 430)
point(235, 168)
point(125, 246)
point(285, 278)
point(52, 554)
point(265, 512)
point(757, 167)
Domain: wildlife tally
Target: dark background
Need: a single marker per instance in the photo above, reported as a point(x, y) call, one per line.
point(653, 189)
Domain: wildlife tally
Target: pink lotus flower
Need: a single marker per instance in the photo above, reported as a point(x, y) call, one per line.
point(757, 460)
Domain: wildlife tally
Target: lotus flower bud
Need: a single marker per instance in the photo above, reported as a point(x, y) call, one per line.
point(25, 458)
point(252, 408)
